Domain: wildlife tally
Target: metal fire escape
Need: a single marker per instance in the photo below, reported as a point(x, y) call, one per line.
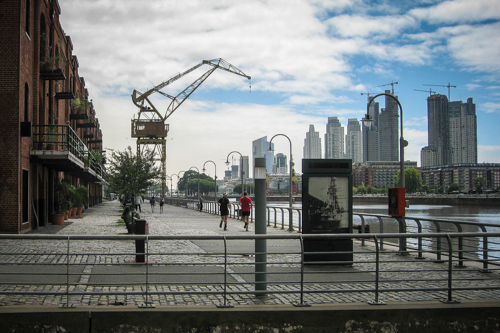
point(150, 128)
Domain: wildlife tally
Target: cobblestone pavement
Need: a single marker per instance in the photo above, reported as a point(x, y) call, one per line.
point(105, 267)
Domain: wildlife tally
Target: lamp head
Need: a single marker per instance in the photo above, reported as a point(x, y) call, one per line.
point(368, 121)
point(227, 162)
point(270, 149)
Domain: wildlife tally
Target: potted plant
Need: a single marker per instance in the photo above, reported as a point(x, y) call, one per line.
point(52, 138)
point(80, 198)
point(61, 197)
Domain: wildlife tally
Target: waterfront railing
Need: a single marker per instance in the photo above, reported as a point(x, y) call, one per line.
point(91, 269)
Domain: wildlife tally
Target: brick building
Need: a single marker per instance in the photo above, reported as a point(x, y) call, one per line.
point(49, 131)
point(379, 174)
point(462, 174)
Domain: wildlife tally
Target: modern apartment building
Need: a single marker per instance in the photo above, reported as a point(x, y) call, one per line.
point(280, 165)
point(463, 174)
point(371, 149)
point(388, 130)
point(260, 149)
point(378, 174)
point(463, 132)
point(334, 139)
point(312, 144)
point(354, 141)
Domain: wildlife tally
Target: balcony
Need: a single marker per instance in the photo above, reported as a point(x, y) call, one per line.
point(58, 147)
point(54, 74)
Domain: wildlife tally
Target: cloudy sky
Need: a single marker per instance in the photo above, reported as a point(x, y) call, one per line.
point(308, 59)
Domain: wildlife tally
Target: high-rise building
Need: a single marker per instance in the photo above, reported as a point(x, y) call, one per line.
point(371, 151)
point(280, 165)
point(312, 144)
point(438, 131)
point(260, 149)
point(334, 139)
point(353, 141)
point(245, 167)
point(388, 130)
point(463, 132)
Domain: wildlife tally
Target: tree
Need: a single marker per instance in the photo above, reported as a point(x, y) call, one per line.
point(192, 174)
point(479, 184)
point(413, 180)
point(453, 187)
point(249, 188)
point(206, 185)
point(131, 174)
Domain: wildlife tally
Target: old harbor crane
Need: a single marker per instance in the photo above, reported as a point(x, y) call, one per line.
point(150, 128)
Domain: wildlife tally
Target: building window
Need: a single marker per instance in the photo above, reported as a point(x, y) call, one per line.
point(26, 102)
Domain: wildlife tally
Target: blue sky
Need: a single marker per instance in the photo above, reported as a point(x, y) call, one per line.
point(309, 60)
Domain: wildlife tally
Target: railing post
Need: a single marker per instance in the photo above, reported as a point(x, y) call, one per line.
point(67, 304)
point(460, 248)
point(147, 303)
point(226, 304)
point(377, 273)
point(420, 251)
point(275, 217)
point(362, 229)
point(402, 241)
point(381, 230)
point(302, 260)
point(450, 272)
point(290, 219)
point(299, 212)
point(485, 252)
point(282, 219)
point(268, 216)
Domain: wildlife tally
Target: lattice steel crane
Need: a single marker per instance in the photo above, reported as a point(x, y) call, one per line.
point(441, 85)
point(149, 128)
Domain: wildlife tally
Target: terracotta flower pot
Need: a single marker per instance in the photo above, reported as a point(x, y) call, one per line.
point(79, 211)
point(73, 211)
point(57, 219)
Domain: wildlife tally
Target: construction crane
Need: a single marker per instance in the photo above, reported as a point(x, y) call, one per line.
point(440, 85)
point(389, 84)
point(368, 95)
point(430, 91)
point(150, 129)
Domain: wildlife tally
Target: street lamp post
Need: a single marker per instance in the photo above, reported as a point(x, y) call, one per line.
point(215, 177)
point(171, 184)
point(241, 166)
point(198, 193)
point(402, 142)
point(290, 203)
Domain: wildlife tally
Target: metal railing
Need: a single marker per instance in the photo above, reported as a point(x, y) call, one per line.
point(64, 138)
point(82, 270)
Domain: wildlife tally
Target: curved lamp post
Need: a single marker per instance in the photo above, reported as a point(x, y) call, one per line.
point(402, 142)
point(241, 166)
point(171, 184)
point(215, 178)
point(290, 203)
point(198, 193)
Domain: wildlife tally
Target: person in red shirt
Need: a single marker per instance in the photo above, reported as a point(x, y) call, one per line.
point(246, 205)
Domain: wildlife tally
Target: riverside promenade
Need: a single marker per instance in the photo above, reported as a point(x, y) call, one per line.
point(102, 220)
point(181, 307)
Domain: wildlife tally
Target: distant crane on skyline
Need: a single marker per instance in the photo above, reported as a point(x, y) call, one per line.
point(368, 95)
point(389, 84)
point(429, 91)
point(441, 85)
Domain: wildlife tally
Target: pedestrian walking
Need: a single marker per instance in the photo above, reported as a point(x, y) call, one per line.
point(246, 206)
point(138, 202)
point(152, 202)
point(225, 206)
point(162, 202)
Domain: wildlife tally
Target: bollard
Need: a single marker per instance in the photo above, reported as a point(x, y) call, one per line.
point(141, 228)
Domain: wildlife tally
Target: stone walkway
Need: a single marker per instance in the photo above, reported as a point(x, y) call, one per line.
point(192, 260)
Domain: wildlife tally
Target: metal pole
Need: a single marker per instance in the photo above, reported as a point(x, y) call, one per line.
point(260, 229)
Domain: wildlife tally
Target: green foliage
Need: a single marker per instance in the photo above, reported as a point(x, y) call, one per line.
point(479, 184)
point(453, 187)
point(130, 174)
point(413, 180)
point(206, 185)
point(193, 174)
point(249, 188)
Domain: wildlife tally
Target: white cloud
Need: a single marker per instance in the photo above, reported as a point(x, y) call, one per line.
point(459, 11)
point(488, 154)
point(365, 26)
point(491, 107)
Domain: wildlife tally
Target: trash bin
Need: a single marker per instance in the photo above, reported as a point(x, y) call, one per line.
point(141, 228)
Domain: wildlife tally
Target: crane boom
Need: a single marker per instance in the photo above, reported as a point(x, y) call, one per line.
point(429, 91)
point(139, 98)
point(389, 84)
point(442, 85)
